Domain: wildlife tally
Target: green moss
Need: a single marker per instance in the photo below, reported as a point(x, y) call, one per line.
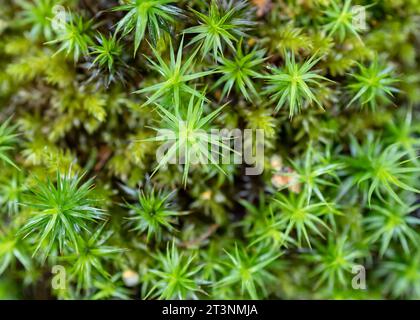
point(85, 86)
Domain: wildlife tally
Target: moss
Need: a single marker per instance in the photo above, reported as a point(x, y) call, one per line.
point(92, 91)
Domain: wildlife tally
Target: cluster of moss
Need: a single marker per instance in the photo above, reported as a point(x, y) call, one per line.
point(85, 85)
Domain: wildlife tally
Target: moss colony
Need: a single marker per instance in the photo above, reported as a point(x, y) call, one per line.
point(89, 210)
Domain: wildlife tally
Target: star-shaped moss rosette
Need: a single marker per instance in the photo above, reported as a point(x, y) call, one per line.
point(109, 115)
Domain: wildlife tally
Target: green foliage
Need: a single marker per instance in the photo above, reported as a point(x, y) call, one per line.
point(392, 222)
point(249, 271)
point(88, 259)
point(173, 214)
point(405, 133)
point(108, 61)
point(371, 84)
point(187, 136)
point(240, 71)
point(300, 216)
point(152, 213)
point(11, 192)
point(287, 37)
point(265, 227)
point(223, 25)
point(402, 276)
point(176, 76)
point(74, 36)
point(176, 275)
point(315, 172)
point(339, 20)
point(107, 52)
point(8, 138)
point(152, 15)
point(294, 85)
point(334, 262)
point(378, 169)
point(111, 289)
point(61, 209)
point(38, 14)
point(12, 249)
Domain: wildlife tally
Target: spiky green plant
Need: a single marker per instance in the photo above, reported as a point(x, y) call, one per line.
point(60, 210)
point(187, 137)
point(74, 36)
point(249, 271)
point(314, 173)
point(108, 60)
point(401, 276)
point(222, 25)
point(11, 192)
point(377, 169)
point(239, 72)
point(176, 275)
point(112, 288)
point(301, 217)
point(339, 19)
point(340, 180)
point(392, 222)
point(294, 85)
point(12, 250)
point(106, 52)
point(153, 15)
point(39, 15)
point(8, 139)
point(176, 75)
point(372, 83)
point(405, 132)
point(334, 262)
point(271, 232)
point(88, 260)
point(152, 214)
